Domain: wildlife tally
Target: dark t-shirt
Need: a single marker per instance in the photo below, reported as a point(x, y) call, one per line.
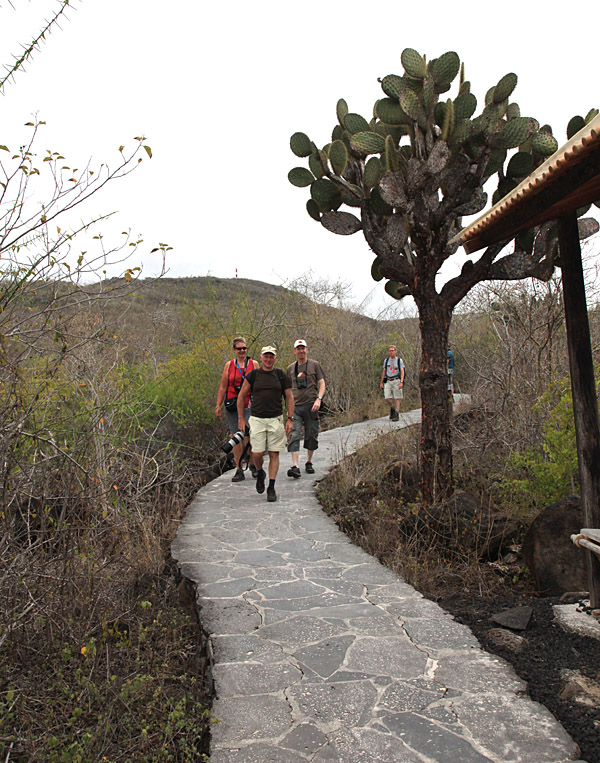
point(266, 393)
point(314, 373)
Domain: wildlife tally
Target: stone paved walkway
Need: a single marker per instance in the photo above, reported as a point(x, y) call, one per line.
point(322, 654)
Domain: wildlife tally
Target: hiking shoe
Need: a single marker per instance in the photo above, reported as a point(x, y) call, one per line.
point(253, 471)
point(260, 481)
point(392, 414)
point(238, 476)
point(395, 416)
point(294, 472)
point(310, 469)
point(271, 494)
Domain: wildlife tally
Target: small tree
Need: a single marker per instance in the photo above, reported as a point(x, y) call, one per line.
point(412, 172)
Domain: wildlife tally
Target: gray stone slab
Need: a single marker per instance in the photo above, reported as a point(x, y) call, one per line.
point(246, 719)
point(337, 705)
point(261, 558)
point(512, 729)
point(228, 616)
point(366, 746)
point(404, 697)
point(319, 653)
point(431, 740)
point(386, 655)
point(226, 588)
point(325, 657)
point(440, 633)
point(257, 753)
point(478, 671)
point(306, 738)
point(245, 648)
point(296, 632)
point(240, 679)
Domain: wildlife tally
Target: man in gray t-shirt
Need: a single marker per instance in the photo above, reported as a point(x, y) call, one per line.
point(308, 388)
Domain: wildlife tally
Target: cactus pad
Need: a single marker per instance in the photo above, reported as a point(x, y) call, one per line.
point(341, 110)
point(372, 172)
point(513, 111)
point(368, 142)
point(325, 193)
point(317, 164)
point(515, 132)
point(587, 226)
point(575, 124)
point(375, 272)
point(396, 231)
point(520, 165)
point(412, 106)
point(300, 177)
point(543, 143)
point(464, 106)
point(390, 112)
point(396, 290)
point(338, 156)
point(445, 68)
point(355, 123)
point(313, 210)
point(413, 63)
point(461, 133)
point(378, 205)
point(504, 87)
point(393, 85)
point(342, 223)
point(301, 144)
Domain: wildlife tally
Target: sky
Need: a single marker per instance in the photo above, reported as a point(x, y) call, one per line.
point(218, 89)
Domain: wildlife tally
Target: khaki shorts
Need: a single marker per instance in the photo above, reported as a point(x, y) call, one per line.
point(267, 434)
point(392, 390)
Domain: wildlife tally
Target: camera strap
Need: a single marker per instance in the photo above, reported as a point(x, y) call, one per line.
point(243, 457)
point(242, 373)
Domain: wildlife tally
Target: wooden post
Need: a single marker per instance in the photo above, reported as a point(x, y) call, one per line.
point(583, 387)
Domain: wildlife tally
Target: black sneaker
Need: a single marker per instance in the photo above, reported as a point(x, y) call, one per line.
point(253, 471)
point(239, 476)
point(271, 494)
point(310, 469)
point(395, 416)
point(294, 472)
point(260, 481)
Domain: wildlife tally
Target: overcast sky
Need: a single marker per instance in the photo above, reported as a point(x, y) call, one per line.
point(218, 88)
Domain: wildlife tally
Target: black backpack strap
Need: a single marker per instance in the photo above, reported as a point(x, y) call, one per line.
point(281, 377)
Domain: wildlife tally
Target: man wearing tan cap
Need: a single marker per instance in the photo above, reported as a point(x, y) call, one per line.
point(269, 385)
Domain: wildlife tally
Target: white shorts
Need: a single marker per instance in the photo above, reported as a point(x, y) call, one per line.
point(267, 434)
point(392, 390)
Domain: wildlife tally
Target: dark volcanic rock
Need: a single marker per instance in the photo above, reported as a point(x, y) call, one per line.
point(555, 563)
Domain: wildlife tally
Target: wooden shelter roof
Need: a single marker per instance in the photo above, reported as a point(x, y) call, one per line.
point(567, 180)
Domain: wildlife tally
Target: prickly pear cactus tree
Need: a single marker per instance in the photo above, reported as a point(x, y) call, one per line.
point(405, 177)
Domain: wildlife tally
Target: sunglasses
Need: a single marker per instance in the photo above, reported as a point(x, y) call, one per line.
point(240, 348)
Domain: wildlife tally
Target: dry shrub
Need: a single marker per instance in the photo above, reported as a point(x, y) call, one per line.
point(373, 496)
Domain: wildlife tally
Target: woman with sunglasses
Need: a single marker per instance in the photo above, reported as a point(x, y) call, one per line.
point(233, 376)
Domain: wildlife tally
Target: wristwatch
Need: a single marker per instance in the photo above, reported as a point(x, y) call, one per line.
point(319, 397)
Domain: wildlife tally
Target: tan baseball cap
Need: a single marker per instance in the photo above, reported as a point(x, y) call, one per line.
point(267, 349)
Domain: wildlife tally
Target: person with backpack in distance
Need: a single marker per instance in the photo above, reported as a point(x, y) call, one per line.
point(232, 378)
point(268, 385)
point(308, 388)
point(392, 381)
